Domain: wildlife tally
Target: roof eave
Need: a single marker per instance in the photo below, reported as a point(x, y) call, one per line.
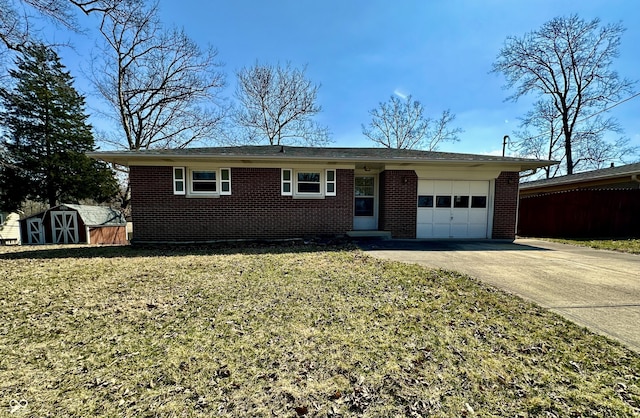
point(128, 159)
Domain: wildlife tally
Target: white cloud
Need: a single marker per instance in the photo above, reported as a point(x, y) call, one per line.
point(400, 94)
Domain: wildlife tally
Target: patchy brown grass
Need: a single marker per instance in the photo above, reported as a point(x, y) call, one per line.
point(622, 245)
point(287, 332)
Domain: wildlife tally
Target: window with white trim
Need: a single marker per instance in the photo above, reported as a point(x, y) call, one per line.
point(330, 188)
point(203, 182)
point(287, 182)
point(225, 181)
point(308, 183)
point(179, 181)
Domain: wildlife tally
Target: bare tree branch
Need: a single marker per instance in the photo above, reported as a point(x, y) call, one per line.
point(162, 88)
point(277, 104)
point(17, 17)
point(402, 124)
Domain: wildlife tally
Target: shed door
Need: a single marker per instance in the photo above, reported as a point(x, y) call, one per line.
point(35, 231)
point(452, 209)
point(64, 227)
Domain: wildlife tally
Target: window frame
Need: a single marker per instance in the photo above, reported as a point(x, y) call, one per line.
point(222, 181)
point(182, 181)
point(191, 181)
point(297, 183)
point(328, 182)
point(288, 182)
point(292, 183)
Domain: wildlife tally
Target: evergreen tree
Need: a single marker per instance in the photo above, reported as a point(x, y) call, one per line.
point(45, 137)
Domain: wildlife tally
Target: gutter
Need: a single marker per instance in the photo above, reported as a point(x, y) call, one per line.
point(129, 158)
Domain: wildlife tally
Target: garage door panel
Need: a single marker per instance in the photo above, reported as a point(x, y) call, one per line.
point(478, 216)
point(442, 187)
point(441, 231)
point(458, 230)
point(442, 216)
point(425, 230)
point(477, 230)
point(460, 216)
point(460, 188)
point(480, 188)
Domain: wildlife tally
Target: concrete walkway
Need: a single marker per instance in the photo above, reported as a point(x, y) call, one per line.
point(593, 288)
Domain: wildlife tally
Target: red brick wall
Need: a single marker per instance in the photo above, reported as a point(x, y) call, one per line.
point(254, 210)
point(398, 203)
point(506, 205)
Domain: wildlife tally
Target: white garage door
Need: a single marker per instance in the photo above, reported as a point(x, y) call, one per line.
point(452, 209)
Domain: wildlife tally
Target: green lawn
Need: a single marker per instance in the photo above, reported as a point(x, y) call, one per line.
point(623, 245)
point(298, 331)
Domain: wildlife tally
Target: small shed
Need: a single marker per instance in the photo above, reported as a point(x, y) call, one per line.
point(75, 224)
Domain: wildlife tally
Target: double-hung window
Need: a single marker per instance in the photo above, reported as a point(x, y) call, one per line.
point(308, 183)
point(203, 182)
point(197, 182)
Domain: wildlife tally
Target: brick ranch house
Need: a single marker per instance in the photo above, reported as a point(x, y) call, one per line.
point(278, 192)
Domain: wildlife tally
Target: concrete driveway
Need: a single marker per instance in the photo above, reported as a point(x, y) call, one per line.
point(593, 288)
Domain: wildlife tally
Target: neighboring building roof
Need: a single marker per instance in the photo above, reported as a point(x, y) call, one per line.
point(92, 215)
point(347, 155)
point(605, 176)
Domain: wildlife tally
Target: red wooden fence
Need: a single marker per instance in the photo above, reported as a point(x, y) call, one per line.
point(581, 214)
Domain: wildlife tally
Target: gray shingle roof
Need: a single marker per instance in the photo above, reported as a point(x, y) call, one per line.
point(309, 153)
point(604, 173)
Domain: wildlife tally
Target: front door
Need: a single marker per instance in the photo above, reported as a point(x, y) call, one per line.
point(366, 203)
point(64, 227)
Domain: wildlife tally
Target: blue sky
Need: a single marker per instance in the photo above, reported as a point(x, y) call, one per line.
point(362, 52)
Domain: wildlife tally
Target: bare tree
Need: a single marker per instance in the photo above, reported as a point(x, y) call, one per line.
point(277, 104)
point(569, 61)
point(401, 124)
point(591, 149)
point(17, 17)
point(162, 88)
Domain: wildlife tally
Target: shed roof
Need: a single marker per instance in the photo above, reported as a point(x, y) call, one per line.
point(92, 215)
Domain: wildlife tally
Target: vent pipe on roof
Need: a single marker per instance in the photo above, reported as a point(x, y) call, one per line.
point(505, 140)
point(282, 149)
point(612, 165)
